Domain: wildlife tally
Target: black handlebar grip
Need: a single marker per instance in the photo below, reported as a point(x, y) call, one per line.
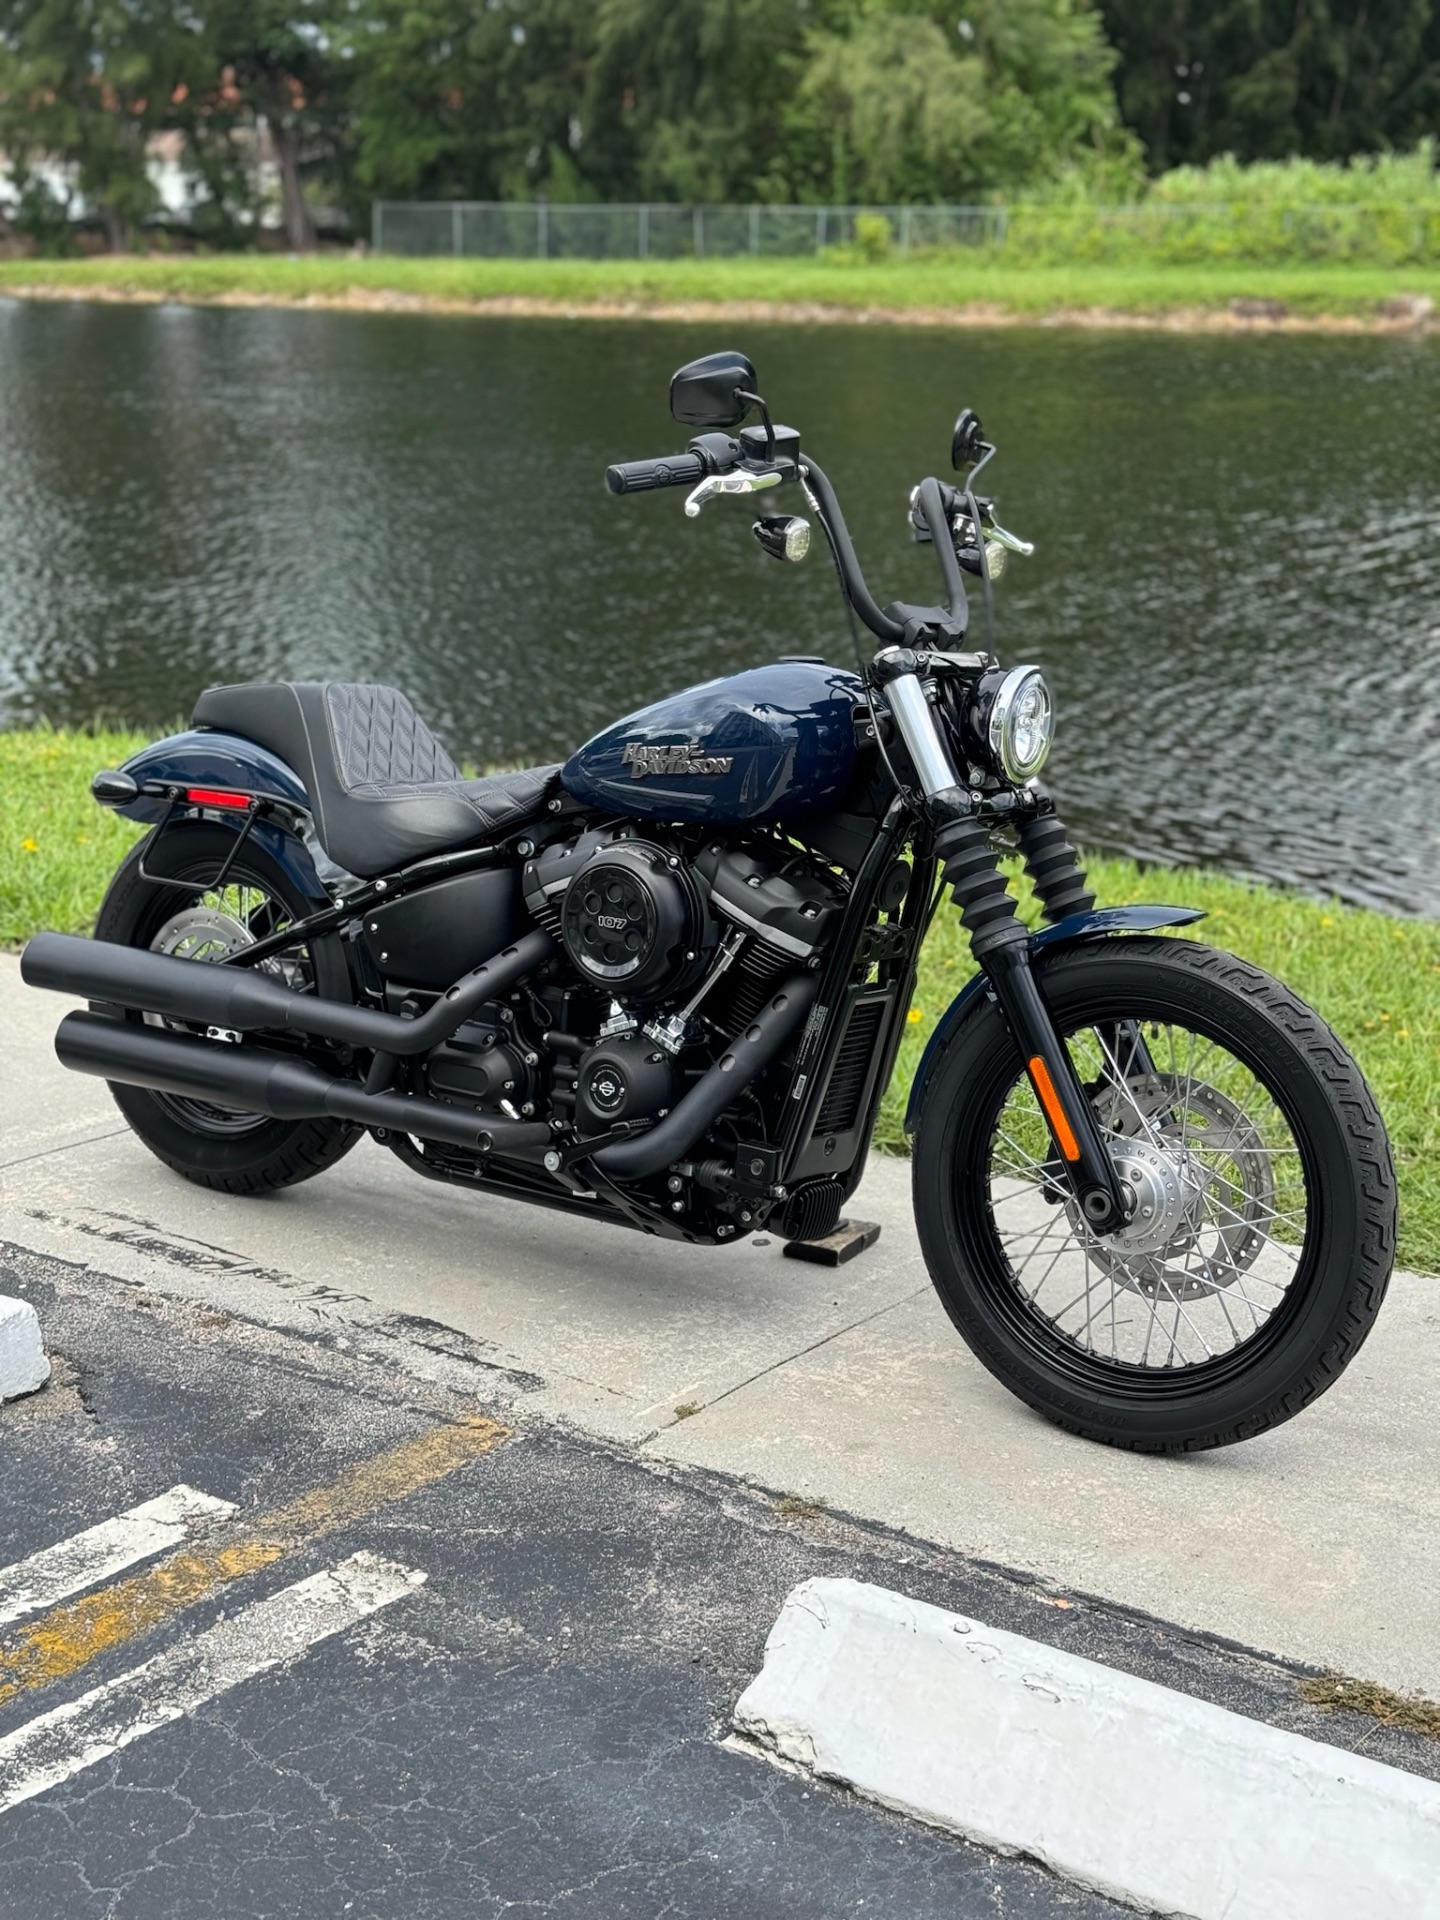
point(642, 476)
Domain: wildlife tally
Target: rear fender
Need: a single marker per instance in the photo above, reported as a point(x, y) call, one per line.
point(226, 761)
point(1096, 925)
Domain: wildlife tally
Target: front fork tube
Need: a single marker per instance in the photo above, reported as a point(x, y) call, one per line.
point(999, 941)
point(1063, 1101)
point(1002, 948)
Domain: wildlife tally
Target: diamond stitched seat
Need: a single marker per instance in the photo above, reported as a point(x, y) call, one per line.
point(382, 789)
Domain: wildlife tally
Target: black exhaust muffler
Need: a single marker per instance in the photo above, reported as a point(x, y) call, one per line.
point(234, 998)
point(258, 1081)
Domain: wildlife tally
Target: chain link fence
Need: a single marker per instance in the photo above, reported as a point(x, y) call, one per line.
point(542, 230)
point(1378, 233)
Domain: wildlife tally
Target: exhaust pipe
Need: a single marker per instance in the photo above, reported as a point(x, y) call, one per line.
point(229, 996)
point(742, 1060)
point(258, 1081)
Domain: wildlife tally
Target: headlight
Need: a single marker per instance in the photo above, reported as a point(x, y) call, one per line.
point(1021, 724)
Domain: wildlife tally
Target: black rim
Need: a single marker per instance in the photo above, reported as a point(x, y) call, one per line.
point(1144, 1291)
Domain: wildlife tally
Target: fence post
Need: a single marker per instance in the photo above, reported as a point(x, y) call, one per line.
point(904, 231)
point(542, 229)
point(754, 232)
point(820, 213)
point(697, 223)
point(642, 232)
point(377, 224)
point(455, 229)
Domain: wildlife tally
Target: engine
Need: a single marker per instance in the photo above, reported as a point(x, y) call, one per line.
point(632, 917)
point(648, 923)
point(673, 945)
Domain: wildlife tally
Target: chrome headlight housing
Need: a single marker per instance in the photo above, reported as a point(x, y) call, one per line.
point(1021, 724)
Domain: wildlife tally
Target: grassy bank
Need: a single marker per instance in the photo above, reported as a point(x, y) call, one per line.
point(1377, 980)
point(943, 290)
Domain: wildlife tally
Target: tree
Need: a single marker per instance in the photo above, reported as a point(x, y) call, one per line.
point(907, 102)
point(83, 84)
point(1264, 79)
point(270, 63)
point(452, 99)
point(689, 99)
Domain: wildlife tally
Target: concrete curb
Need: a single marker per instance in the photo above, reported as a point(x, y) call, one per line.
point(23, 1366)
point(1146, 1795)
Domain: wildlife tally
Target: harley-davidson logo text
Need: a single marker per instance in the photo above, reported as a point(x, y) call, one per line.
point(684, 759)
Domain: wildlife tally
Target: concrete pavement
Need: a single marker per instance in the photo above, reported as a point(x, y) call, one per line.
point(1318, 1542)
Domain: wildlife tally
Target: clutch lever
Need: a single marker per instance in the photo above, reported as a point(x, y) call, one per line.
point(739, 480)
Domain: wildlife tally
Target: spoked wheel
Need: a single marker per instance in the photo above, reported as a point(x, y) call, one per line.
point(214, 1145)
point(1264, 1223)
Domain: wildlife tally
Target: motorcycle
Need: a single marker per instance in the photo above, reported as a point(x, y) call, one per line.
point(663, 985)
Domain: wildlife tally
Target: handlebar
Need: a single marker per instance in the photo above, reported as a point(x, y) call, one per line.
point(688, 469)
point(643, 476)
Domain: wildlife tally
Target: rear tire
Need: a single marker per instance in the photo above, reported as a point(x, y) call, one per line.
point(1283, 1207)
point(216, 1147)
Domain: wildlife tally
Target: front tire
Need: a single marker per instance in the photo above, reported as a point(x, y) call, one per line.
point(1253, 1141)
point(217, 1146)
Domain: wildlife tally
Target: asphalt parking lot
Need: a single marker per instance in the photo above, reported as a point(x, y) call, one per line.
point(521, 1713)
point(512, 1688)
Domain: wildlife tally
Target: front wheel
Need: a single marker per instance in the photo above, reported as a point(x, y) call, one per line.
point(1264, 1229)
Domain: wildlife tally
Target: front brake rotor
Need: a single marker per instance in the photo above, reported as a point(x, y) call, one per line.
point(1203, 1182)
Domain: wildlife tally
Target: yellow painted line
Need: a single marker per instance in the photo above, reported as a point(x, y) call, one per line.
point(67, 1638)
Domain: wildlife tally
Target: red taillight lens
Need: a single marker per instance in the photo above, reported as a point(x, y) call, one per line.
point(214, 797)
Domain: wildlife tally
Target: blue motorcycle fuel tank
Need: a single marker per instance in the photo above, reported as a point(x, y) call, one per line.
point(762, 745)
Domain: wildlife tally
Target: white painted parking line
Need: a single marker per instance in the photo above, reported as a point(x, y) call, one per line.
point(55, 1573)
point(56, 1745)
point(1141, 1793)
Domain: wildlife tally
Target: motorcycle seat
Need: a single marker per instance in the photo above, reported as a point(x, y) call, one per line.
point(383, 791)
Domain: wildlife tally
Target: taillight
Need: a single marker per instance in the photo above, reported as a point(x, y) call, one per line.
point(215, 797)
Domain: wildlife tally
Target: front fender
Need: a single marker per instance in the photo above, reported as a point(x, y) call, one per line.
point(227, 760)
point(1076, 926)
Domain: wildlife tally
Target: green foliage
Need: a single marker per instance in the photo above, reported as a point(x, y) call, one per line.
point(874, 239)
point(820, 101)
point(904, 102)
point(85, 82)
point(1267, 78)
point(1383, 211)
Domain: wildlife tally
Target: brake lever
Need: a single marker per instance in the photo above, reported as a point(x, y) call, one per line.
point(1011, 541)
point(738, 481)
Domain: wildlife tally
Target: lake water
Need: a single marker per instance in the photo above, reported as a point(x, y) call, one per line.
point(1235, 594)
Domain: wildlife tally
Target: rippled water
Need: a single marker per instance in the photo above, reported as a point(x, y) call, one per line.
point(1236, 591)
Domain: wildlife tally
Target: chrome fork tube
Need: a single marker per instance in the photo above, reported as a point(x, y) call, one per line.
point(924, 742)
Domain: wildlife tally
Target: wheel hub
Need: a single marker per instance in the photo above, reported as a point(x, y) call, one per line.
point(1158, 1182)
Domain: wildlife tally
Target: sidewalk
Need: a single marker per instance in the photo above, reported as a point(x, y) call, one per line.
point(1318, 1542)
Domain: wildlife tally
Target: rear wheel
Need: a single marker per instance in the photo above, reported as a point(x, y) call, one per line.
point(213, 1145)
point(1264, 1230)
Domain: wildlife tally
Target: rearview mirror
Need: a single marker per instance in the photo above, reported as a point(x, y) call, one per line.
point(706, 392)
point(965, 441)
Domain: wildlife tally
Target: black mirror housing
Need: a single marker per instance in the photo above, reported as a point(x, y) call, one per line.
point(706, 392)
point(965, 440)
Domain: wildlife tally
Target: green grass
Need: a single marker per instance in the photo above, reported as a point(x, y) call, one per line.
point(930, 284)
point(1377, 980)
